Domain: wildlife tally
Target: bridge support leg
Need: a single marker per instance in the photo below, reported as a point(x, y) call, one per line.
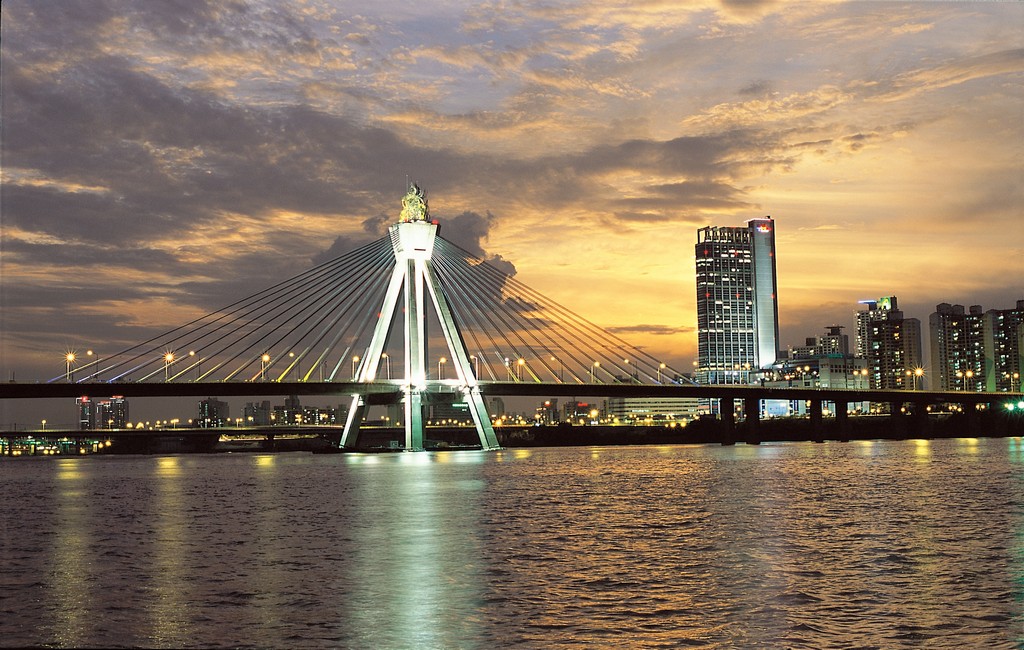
point(896, 413)
point(814, 412)
point(842, 419)
point(752, 417)
point(920, 418)
point(477, 408)
point(727, 414)
point(352, 422)
point(413, 420)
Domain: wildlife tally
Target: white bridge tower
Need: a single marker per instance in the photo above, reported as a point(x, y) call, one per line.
point(413, 277)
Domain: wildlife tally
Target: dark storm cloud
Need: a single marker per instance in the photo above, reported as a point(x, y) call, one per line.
point(137, 260)
point(756, 88)
point(666, 199)
point(467, 231)
point(707, 157)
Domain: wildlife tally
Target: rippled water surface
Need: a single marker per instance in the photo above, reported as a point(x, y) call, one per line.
point(904, 544)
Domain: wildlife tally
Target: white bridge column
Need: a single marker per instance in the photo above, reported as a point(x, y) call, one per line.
point(413, 275)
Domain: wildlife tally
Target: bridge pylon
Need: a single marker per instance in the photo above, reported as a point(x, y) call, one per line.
point(413, 280)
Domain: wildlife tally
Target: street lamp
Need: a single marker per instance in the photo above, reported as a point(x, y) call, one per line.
point(561, 368)
point(476, 365)
point(387, 363)
point(965, 376)
point(1013, 377)
point(264, 360)
point(355, 360)
point(519, 368)
point(661, 367)
point(168, 360)
point(70, 358)
point(593, 372)
point(199, 373)
point(918, 373)
point(90, 353)
point(44, 425)
point(440, 367)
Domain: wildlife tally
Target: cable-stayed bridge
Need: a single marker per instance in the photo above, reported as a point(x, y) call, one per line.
point(413, 319)
point(409, 317)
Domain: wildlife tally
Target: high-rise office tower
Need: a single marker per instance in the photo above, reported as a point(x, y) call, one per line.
point(109, 413)
point(890, 343)
point(737, 308)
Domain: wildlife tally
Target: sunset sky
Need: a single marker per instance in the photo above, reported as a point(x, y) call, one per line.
point(163, 159)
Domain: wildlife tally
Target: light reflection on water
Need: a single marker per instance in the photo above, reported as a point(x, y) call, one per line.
point(898, 544)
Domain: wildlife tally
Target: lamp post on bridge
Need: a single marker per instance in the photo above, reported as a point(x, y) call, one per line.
point(264, 360)
point(915, 374)
point(90, 354)
point(70, 359)
point(387, 364)
point(168, 360)
point(561, 368)
point(1013, 377)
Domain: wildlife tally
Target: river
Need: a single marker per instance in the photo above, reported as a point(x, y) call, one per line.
point(882, 544)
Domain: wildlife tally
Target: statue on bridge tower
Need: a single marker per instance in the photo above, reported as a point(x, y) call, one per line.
point(413, 277)
point(414, 205)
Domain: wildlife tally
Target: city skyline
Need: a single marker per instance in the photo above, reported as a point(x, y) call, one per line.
point(161, 162)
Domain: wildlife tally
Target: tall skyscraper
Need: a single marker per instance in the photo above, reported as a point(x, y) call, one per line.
point(109, 413)
point(737, 307)
point(890, 343)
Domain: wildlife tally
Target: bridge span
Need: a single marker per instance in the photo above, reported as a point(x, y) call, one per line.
point(390, 389)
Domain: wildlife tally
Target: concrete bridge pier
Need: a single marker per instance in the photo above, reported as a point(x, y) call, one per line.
point(752, 418)
point(814, 411)
point(919, 417)
point(970, 420)
point(842, 419)
point(727, 415)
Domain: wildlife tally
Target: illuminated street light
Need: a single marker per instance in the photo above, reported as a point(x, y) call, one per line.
point(965, 376)
point(476, 365)
point(1014, 377)
point(440, 367)
point(387, 363)
point(70, 358)
point(519, 368)
point(264, 360)
point(90, 354)
point(168, 360)
point(593, 371)
point(661, 367)
point(355, 360)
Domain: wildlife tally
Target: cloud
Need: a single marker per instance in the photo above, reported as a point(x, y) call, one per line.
point(656, 330)
point(181, 155)
point(953, 73)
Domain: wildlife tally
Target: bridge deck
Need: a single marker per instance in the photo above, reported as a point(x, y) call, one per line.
point(385, 390)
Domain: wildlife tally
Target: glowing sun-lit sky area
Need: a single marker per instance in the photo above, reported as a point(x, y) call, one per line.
point(163, 159)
